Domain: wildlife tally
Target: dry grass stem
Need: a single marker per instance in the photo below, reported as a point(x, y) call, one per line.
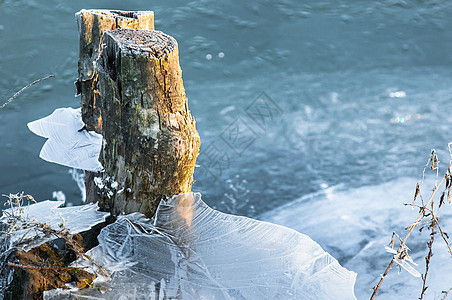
point(446, 293)
point(23, 89)
point(429, 256)
point(426, 210)
point(43, 267)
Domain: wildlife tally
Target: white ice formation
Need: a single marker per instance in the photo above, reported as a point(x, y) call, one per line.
point(190, 251)
point(67, 145)
point(75, 219)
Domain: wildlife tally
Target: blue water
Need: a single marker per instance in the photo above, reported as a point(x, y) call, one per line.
point(359, 92)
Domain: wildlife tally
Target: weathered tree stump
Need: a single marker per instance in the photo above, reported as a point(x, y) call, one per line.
point(151, 142)
point(91, 26)
point(135, 97)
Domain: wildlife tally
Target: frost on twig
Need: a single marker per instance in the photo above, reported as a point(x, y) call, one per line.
point(427, 217)
point(402, 258)
point(25, 230)
point(23, 89)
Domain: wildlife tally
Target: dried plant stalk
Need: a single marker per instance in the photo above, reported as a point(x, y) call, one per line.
point(23, 89)
point(425, 210)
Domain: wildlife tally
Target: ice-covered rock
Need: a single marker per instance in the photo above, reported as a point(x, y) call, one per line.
point(28, 226)
point(67, 144)
point(191, 251)
point(75, 219)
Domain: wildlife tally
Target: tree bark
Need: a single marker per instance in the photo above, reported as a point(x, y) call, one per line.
point(151, 142)
point(91, 26)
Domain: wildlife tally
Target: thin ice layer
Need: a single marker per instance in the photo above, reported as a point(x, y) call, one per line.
point(75, 219)
point(190, 251)
point(355, 225)
point(67, 145)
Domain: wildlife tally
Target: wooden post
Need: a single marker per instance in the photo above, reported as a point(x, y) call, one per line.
point(91, 26)
point(151, 142)
point(132, 92)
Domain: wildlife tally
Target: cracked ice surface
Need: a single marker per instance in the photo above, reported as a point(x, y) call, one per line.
point(67, 145)
point(190, 251)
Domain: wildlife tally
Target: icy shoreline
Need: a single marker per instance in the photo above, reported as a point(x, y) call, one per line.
point(355, 225)
point(190, 251)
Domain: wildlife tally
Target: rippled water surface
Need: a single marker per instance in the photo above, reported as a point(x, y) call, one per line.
point(336, 73)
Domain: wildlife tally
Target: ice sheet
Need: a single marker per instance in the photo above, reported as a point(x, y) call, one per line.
point(75, 219)
point(190, 251)
point(355, 225)
point(67, 145)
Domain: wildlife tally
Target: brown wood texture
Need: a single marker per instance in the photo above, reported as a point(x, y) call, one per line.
point(151, 142)
point(92, 24)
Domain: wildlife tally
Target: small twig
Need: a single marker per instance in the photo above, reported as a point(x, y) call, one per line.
point(402, 244)
point(43, 267)
point(64, 234)
point(23, 237)
point(375, 288)
point(446, 293)
point(433, 220)
point(76, 247)
point(424, 212)
point(429, 255)
point(24, 88)
point(443, 235)
point(418, 224)
point(416, 193)
point(421, 215)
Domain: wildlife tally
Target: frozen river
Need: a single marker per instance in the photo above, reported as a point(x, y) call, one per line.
point(310, 114)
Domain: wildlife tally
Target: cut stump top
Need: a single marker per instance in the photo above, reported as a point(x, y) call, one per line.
point(156, 43)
